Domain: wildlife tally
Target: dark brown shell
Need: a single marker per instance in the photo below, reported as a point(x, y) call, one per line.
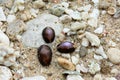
point(65, 47)
point(48, 34)
point(44, 55)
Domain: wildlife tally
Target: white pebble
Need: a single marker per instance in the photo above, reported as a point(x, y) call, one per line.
point(11, 18)
point(66, 30)
point(75, 60)
point(65, 19)
point(98, 57)
point(74, 14)
point(74, 77)
point(78, 25)
point(98, 77)
point(100, 29)
point(2, 15)
point(94, 40)
point(93, 22)
point(94, 67)
point(4, 38)
point(34, 78)
point(100, 51)
point(5, 73)
point(114, 55)
point(85, 42)
point(81, 68)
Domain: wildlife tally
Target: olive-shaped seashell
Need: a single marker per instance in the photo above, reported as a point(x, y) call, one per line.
point(66, 47)
point(48, 34)
point(44, 55)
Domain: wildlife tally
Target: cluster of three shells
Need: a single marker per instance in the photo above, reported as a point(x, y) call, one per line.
point(45, 52)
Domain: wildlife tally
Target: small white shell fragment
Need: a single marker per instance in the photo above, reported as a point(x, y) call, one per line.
point(7, 56)
point(98, 57)
point(100, 51)
point(34, 78)
point(114, 55)
point(85, 42)
point(38, 4)
point(94, 40)
point(94, 67)
point(2, 15)
point(74, 59)
point(74, 14)
point(32, 37)
point(66, 63)
point(98, 77)
point(11, 18)
point(16, 27)
point(78, 25)
point(81, 68)
point(65, 4)
point(111, 10)
point(66, 30)
point(71, 72)
point(4, 38)
point(93, 22)
point(95, 13)
point(74, 77)
point(5, 73)
point(65, 19)
point(100, 29)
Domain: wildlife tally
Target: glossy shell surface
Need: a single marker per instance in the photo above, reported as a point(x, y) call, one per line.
point(44, 55)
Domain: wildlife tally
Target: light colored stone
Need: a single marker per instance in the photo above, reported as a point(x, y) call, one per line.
point(11, 18)
point(2, 15)
point(100, 29)
point(114, 55)
point(18, 5)
point(110, 78)
point(74, 59)
point(65, 55)
point(98, 57)
point(74, 14)
point(93, 22)
point(100, 51)
point(85, 8)
point(66, 63)
point(65, 19)
point(95, 13)
point(94, 40)
point(7, 55)
point(78, 25)
point(74, 77)
point(115, 71)
point(66, 30)
point(85, 42)
point(57, 9)
point(16, 27)
point(81, 68)
point(98, 77)
point(34, 78)
point(112, 43)
point(34, 12)
point(94, 67)
point(5, 73)
point(4, 38)
point(38, 4)
point(84, 15)
point(33, 36)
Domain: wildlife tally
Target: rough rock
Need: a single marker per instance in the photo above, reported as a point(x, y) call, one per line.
point(114, 55)
point(85, 42)
point(5, 73)
point(98, 77)
point(33, 36)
